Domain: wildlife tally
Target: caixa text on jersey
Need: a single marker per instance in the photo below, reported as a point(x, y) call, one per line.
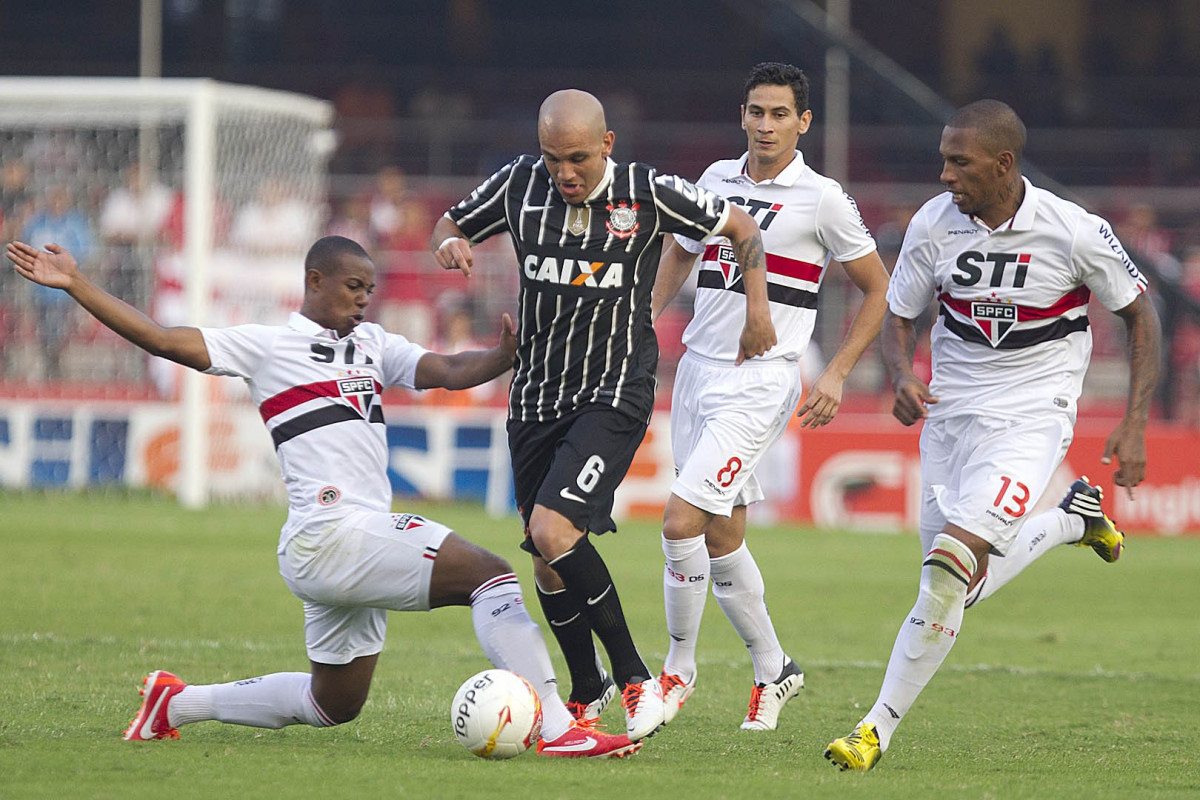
point(575, 272)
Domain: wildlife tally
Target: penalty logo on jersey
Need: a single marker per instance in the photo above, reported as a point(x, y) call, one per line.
point(994, 319)
point(359, 392)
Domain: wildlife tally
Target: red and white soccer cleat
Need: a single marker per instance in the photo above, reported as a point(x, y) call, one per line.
point(582, 741)
point(151, 721)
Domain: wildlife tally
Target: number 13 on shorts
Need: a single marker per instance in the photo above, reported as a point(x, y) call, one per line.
point(1012, 497)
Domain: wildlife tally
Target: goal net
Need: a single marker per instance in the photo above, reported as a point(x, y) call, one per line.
point(194, 201)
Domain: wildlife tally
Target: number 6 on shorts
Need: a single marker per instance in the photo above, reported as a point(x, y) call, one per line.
point(590, 475)
point(586, 480)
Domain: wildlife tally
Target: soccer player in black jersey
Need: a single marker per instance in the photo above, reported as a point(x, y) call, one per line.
point(588, 233)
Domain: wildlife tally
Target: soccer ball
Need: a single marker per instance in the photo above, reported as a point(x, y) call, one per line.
point(496, 714)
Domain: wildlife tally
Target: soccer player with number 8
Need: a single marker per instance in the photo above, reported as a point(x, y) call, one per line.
point(726, 410)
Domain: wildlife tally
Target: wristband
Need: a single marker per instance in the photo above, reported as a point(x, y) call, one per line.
point(446, 240)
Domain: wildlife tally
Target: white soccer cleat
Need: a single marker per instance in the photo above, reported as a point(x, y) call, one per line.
point(768, 699)
point(589, 713)
point(675, 692)
point(644, 712)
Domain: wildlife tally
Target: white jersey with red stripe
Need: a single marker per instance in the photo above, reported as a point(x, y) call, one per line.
point(1012, 336)
point(320, 397)
point(805, 218)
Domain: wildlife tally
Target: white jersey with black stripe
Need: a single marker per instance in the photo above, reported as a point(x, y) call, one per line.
point(320, 398)
point(1012, 335)
point(805, 219)
point(584, 332)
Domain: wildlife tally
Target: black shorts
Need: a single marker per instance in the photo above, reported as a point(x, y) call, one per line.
point(573, 465)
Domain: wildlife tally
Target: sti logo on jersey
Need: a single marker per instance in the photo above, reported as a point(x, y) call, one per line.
point(358, 391)
point(762, 213)
point(994, 319)
point(575, 272)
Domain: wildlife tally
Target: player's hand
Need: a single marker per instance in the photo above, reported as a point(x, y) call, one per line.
point(455, 253)
point(508, 336)
point(823, 401)
point(758, 336)
point(1127, 444)
point(53, 267)
point(912, 401)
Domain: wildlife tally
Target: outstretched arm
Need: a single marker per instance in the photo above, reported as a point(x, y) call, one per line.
point(1127, 443)
point(464, 370)
point(673, 269)
point(899, 342)
point(758, 336)
point(825, 396)
point(56, 268)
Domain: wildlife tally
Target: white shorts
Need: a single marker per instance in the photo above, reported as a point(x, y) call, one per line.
point(351, 571)
point(985, 475)
point(723, 421)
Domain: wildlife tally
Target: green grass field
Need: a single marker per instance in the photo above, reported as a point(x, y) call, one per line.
point(1080, 679)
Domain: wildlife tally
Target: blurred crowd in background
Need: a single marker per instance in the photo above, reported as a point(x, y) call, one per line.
point(129, 239)
point(431, 98)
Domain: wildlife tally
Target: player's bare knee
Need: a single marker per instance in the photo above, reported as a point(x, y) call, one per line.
point(552, 533)
point(339, 707)
point(548, 581)
point(682, 520)
point(462, 567)
point(491, 565)
point(676, 527)
point(343, 715)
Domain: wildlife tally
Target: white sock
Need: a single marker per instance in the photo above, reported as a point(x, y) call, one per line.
point(513, 641)
point(1038, 536)
point(738, 587)
point(928, 633)
point(685, 589)
point(269, 701)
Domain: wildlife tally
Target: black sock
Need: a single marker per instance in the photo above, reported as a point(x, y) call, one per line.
point(570, 627)
point(588, 583)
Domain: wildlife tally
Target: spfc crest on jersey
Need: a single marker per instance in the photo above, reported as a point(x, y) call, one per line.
point(359, 392)
point(404, 522)
point(727, 261)
point(622, 219)
point(994, 319)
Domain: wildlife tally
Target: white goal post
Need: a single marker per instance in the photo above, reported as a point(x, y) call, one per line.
point(195, 200)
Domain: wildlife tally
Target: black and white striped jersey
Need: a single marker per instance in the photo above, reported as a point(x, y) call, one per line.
point(586, 274)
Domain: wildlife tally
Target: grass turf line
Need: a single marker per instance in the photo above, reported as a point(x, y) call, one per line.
point(1078, 679)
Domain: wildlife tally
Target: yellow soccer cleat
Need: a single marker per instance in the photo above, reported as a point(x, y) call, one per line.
point(1099, 532)
point(858, 750)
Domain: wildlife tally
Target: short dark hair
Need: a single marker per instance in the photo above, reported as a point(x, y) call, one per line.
point(325, 254)
point(998, 125)
point(777, 74)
